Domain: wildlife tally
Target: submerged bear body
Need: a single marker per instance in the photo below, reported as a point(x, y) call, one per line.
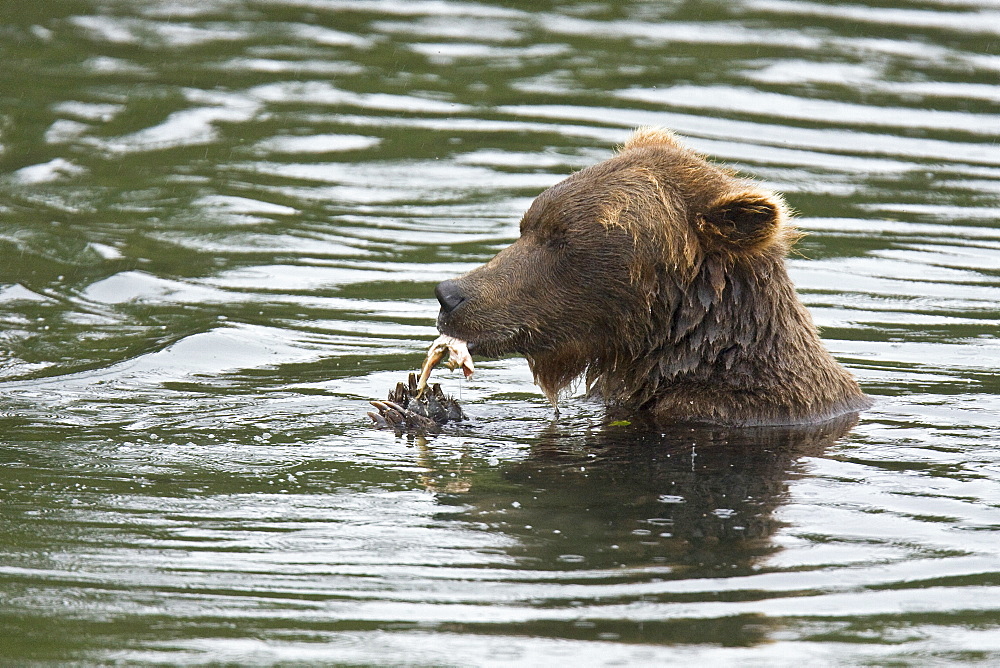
point(660, 278)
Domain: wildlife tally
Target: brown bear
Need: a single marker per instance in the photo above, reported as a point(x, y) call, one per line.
point(660, 278)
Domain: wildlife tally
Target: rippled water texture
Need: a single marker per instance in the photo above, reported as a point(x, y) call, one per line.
point(220, 227)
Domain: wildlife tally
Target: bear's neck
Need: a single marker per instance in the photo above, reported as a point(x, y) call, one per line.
point(737, 347)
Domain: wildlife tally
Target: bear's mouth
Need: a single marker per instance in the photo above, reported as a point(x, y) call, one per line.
point(492, 344)
point(485, 347)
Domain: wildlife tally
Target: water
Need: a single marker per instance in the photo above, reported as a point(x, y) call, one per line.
point(220, 227)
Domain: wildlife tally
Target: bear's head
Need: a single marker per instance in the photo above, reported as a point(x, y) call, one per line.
point(637, 271)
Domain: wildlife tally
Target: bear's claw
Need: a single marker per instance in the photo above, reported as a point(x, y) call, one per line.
point(408, 409)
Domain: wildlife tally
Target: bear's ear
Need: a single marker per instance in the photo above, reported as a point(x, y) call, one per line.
point(648, 136)
point(742, 220)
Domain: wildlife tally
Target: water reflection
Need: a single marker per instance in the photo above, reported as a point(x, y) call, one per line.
point(695, 498)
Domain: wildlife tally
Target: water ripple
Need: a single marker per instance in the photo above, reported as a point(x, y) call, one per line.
point(221, 227)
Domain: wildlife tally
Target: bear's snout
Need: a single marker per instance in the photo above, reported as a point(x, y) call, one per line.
point(450, 295)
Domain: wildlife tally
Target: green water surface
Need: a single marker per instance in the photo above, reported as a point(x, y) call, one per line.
point(221, 223)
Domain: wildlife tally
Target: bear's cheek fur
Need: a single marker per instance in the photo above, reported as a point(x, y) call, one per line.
point(537, 297)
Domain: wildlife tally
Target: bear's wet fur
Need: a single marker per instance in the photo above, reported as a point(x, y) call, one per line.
point(660, 278)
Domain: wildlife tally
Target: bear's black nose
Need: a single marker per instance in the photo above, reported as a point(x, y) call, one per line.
point(450, 295)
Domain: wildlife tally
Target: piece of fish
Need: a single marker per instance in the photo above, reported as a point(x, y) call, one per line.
point(458, 356)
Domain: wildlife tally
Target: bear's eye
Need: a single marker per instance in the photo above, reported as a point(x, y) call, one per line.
point(557, 237)
point(557, 242)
